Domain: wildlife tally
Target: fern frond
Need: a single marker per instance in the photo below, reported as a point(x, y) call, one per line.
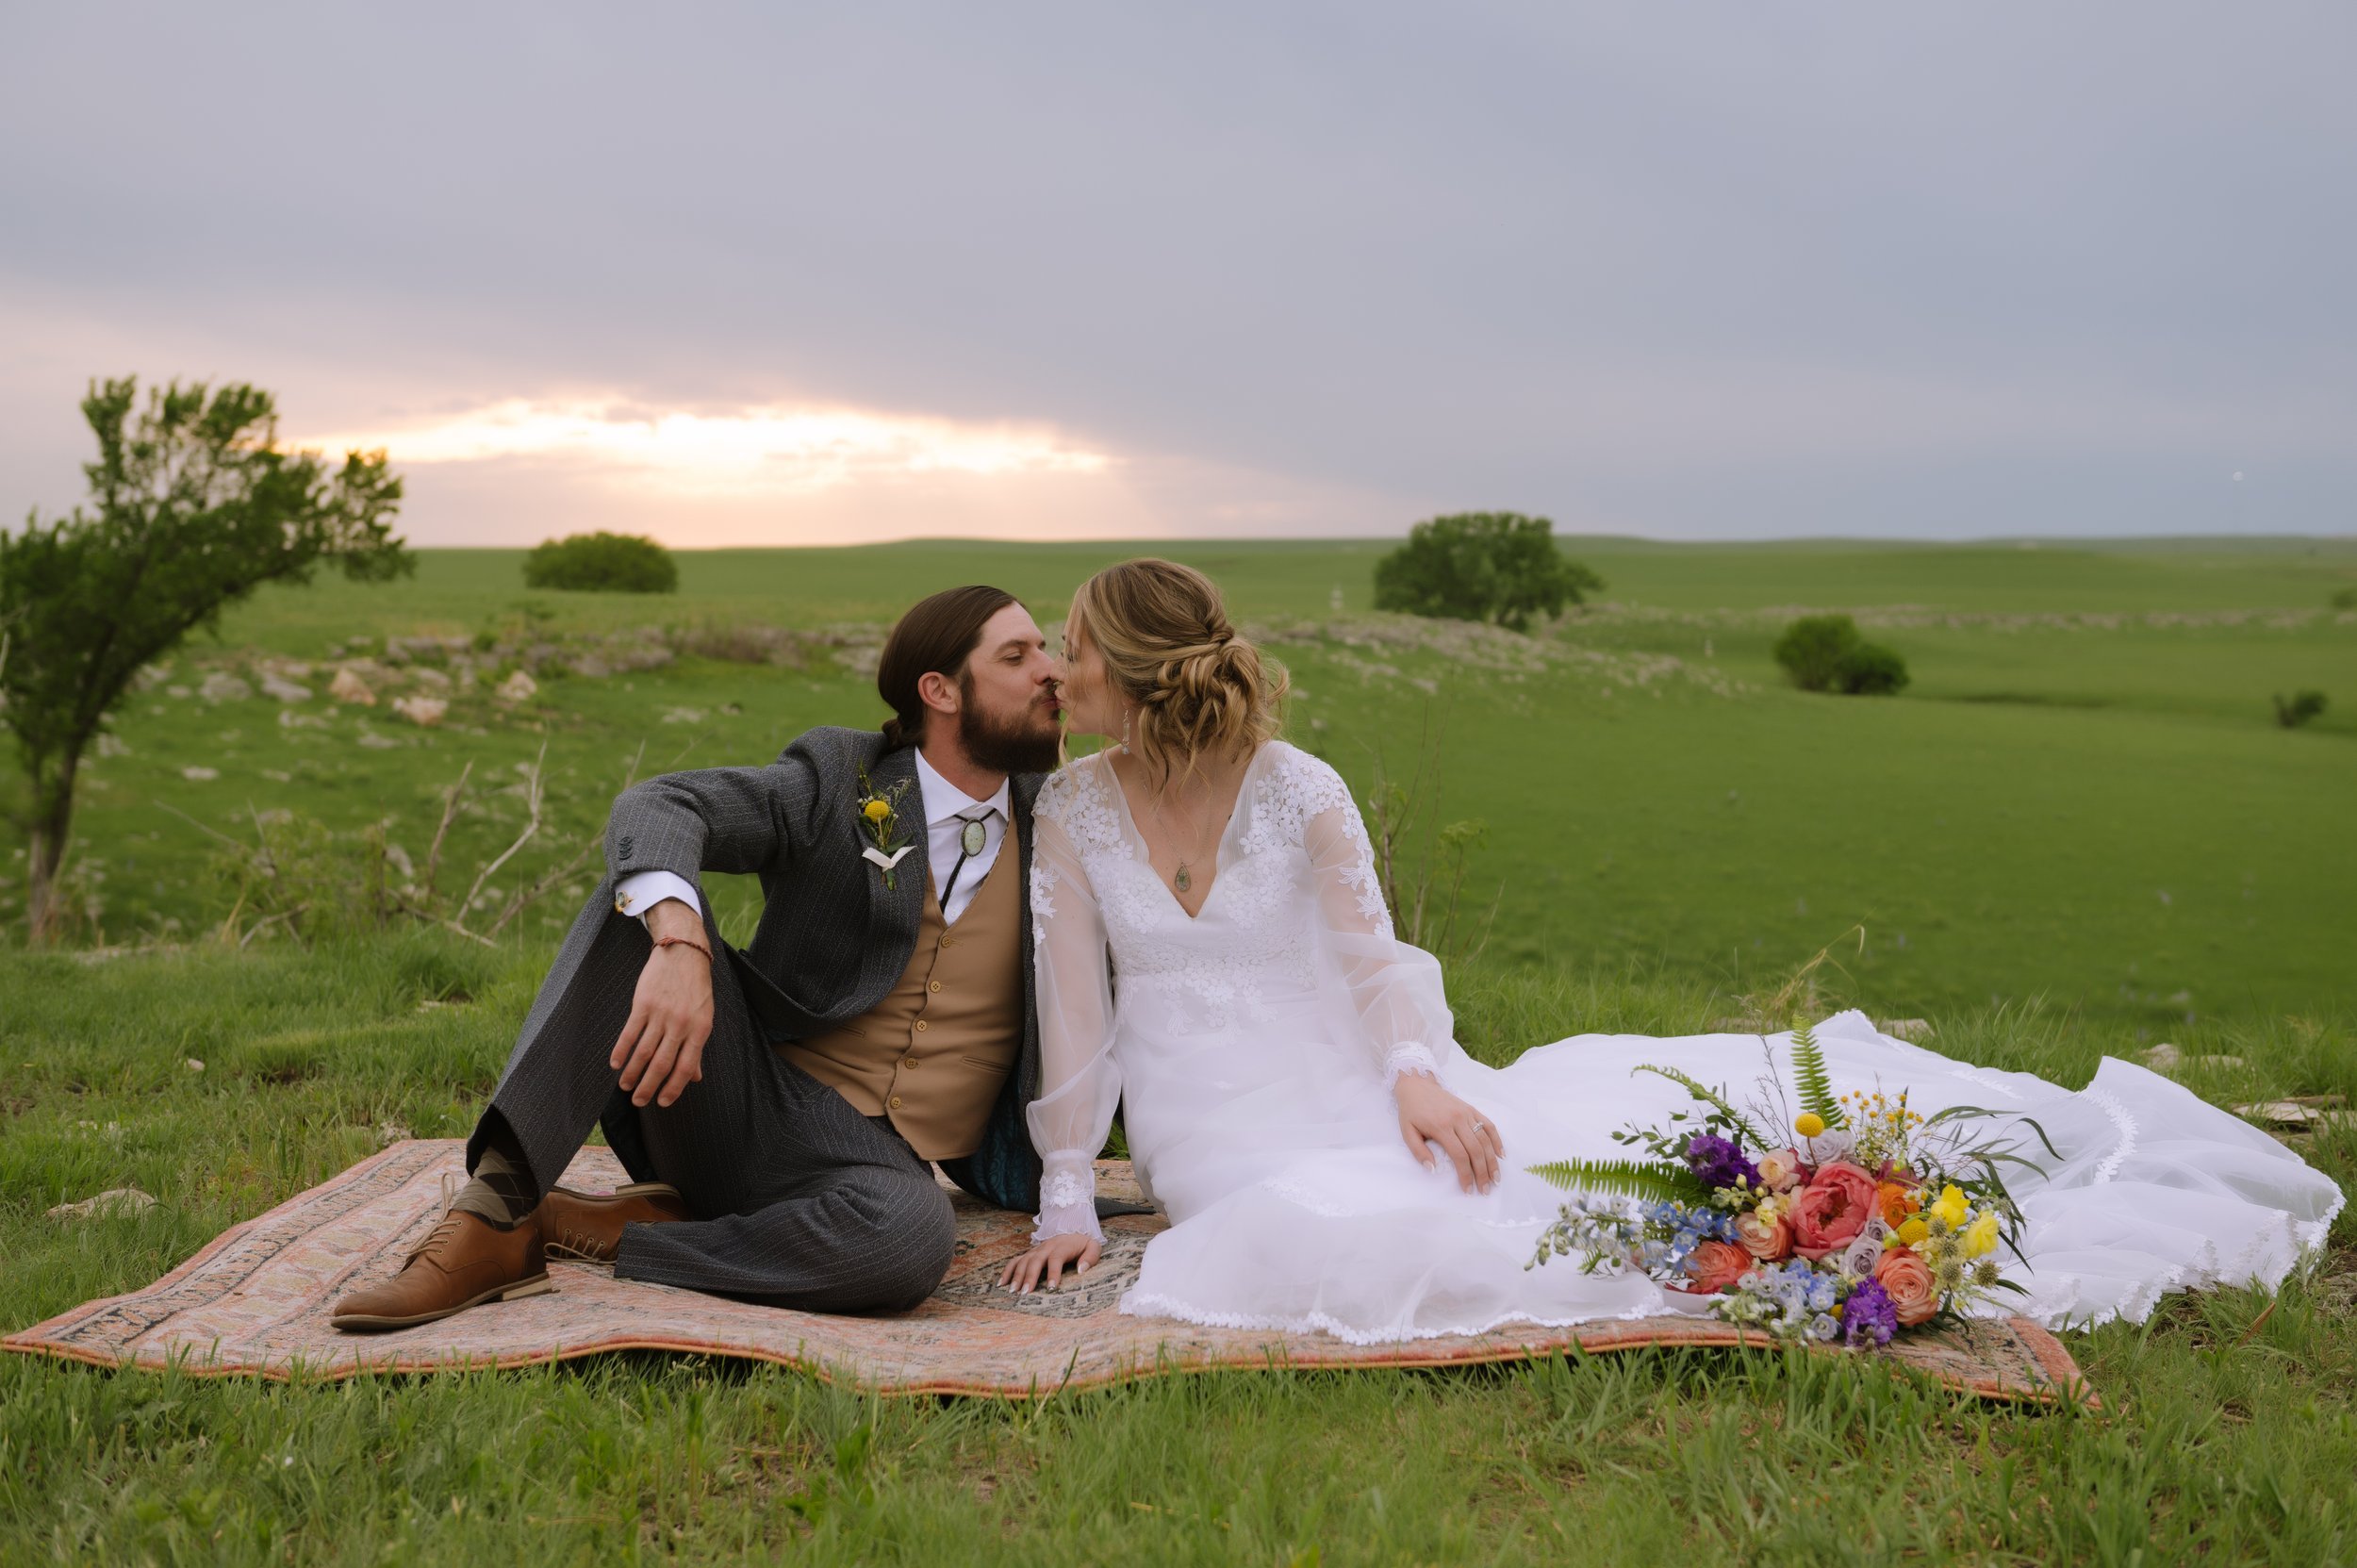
point(1716, 1101)
point(1625, 1178)
point(1810, 1077)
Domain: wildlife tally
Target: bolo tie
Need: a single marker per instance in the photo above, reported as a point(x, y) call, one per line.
point(970, 841)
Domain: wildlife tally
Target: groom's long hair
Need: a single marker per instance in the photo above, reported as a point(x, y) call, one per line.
point(937, 634)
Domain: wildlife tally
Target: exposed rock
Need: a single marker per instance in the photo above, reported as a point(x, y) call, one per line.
point(2163, 1057)
point(193, 1065)
point(430, 678)
point(284, 690)
point(114, 1201)
point(349, 688)
point(375, 742)
point(2305, 1111)
point(391, 1132)
point(1917, 1029)
point(424, 711)
point(222, 686)
point(200, 775)
point(518, 688)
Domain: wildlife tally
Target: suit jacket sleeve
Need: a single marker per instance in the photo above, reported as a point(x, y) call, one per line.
point(736, 819)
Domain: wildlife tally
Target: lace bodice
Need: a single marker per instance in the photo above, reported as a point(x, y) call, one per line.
point(1295, 903)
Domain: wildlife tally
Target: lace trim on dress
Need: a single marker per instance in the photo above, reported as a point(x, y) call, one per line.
point(1409, 1058)
point(1138, 1304)
point(1044, 879)
point(2125, 1122)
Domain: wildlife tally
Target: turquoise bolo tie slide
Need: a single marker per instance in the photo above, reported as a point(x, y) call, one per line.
point(972, 838)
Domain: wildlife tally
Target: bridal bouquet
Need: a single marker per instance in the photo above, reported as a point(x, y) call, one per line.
point(1867, 1220)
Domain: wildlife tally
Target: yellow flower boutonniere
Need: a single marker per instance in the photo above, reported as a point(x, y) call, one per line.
point(879, 821)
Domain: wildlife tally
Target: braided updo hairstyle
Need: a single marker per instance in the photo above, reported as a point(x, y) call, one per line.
point(1200, 689)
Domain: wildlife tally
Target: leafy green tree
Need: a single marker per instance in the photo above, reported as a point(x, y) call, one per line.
point(2302, 706)
point(1825, 653)
point(610, 563)
point(1813, 647)
point(192, 506)
point(1482, 566)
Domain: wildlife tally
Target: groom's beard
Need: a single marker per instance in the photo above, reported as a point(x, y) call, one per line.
point(1028, 742)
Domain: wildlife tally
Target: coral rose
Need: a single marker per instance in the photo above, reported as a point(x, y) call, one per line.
point(1767, 1237)
point(1907, 1281)
point(1715, 1266)
point(1832, 1209)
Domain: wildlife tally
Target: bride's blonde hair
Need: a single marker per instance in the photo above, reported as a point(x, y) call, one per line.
point(1200, 689)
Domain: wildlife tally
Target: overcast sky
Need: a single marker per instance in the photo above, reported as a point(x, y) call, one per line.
point(769, 273)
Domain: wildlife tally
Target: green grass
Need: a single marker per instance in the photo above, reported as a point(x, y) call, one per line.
point(2079, 832)
point(2231, 1430)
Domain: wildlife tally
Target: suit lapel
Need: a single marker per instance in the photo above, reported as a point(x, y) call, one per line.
point(894, 912)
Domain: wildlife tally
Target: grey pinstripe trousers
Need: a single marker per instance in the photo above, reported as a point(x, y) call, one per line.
point(806, 1202)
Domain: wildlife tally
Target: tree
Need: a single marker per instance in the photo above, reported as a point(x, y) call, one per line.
point(1482, 566)
point(1824, 652)
point(613, 563)
point(1813, 647)
point(193, 505)
point(2303, 706)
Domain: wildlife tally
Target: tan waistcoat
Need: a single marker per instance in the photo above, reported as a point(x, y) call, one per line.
point(933, 1054)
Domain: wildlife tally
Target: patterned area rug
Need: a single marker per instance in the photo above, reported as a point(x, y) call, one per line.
point(255, 1302)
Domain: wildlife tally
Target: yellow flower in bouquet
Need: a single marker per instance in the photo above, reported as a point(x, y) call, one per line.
point(1980, 1237)
point(1952, 1207)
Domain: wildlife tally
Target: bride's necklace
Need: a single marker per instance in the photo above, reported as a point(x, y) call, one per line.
point(1183, 878)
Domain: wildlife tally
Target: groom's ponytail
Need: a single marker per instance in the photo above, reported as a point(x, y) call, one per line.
point(1201, 689)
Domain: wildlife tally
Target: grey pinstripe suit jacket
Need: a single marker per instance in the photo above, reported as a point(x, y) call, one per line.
point(832, 939)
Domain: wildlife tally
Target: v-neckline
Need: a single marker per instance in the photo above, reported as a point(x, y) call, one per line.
point(1219, 845)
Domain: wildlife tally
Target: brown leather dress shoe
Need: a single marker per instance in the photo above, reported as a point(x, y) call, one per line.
point(465, 1261)
point(589, 1224)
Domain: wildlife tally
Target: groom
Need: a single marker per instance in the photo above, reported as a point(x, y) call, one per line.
point(778, 1106)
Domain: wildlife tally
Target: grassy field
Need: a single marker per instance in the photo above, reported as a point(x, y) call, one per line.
point(2078, 833)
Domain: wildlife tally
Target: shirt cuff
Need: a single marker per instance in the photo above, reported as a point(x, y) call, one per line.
point(642, 890)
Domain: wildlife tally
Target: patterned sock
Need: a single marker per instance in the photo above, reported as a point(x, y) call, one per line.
point(502, 1193)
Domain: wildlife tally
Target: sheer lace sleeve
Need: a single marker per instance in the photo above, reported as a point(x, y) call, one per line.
point(1397, 988)
point(1079, 1081)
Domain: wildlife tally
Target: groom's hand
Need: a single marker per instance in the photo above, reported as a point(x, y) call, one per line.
point(1430, 1115)
point(661, 1050)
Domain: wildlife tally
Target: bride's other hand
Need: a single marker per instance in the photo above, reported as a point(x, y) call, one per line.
point(1430, 1114)
point(1045, 1264)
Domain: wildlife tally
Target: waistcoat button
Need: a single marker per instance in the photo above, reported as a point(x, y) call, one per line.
point(893, 1102)
point(933, 985)
point(920, 1026)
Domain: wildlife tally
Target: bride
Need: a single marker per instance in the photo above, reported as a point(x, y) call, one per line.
point(1215, 957)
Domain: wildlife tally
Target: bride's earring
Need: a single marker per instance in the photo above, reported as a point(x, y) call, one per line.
point(1124, 732)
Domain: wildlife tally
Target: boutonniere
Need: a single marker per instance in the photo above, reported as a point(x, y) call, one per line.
point(879, 821)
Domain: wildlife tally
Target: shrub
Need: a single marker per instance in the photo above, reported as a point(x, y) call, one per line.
point(1813, 647)
point(2303, 706)
point(2345, 599)
point(1824, 652)
point(1482, 566)
point(608, 563)
point(1869, 670)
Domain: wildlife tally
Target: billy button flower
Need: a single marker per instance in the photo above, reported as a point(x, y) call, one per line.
point(1808, 1124)
point(876, 811)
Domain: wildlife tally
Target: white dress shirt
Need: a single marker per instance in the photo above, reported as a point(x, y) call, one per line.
point(947, 807)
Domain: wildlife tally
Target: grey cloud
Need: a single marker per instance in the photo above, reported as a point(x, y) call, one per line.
point(1683, 270)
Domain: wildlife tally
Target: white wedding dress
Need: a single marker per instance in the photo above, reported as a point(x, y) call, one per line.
point(1252, 1050)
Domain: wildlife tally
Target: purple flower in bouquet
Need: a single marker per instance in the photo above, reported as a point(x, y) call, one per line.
point(1869, 1315)
point(1719, 1162)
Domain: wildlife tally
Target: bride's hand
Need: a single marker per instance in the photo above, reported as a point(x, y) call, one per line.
point(1045, 1264)
point(1430, 1115)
